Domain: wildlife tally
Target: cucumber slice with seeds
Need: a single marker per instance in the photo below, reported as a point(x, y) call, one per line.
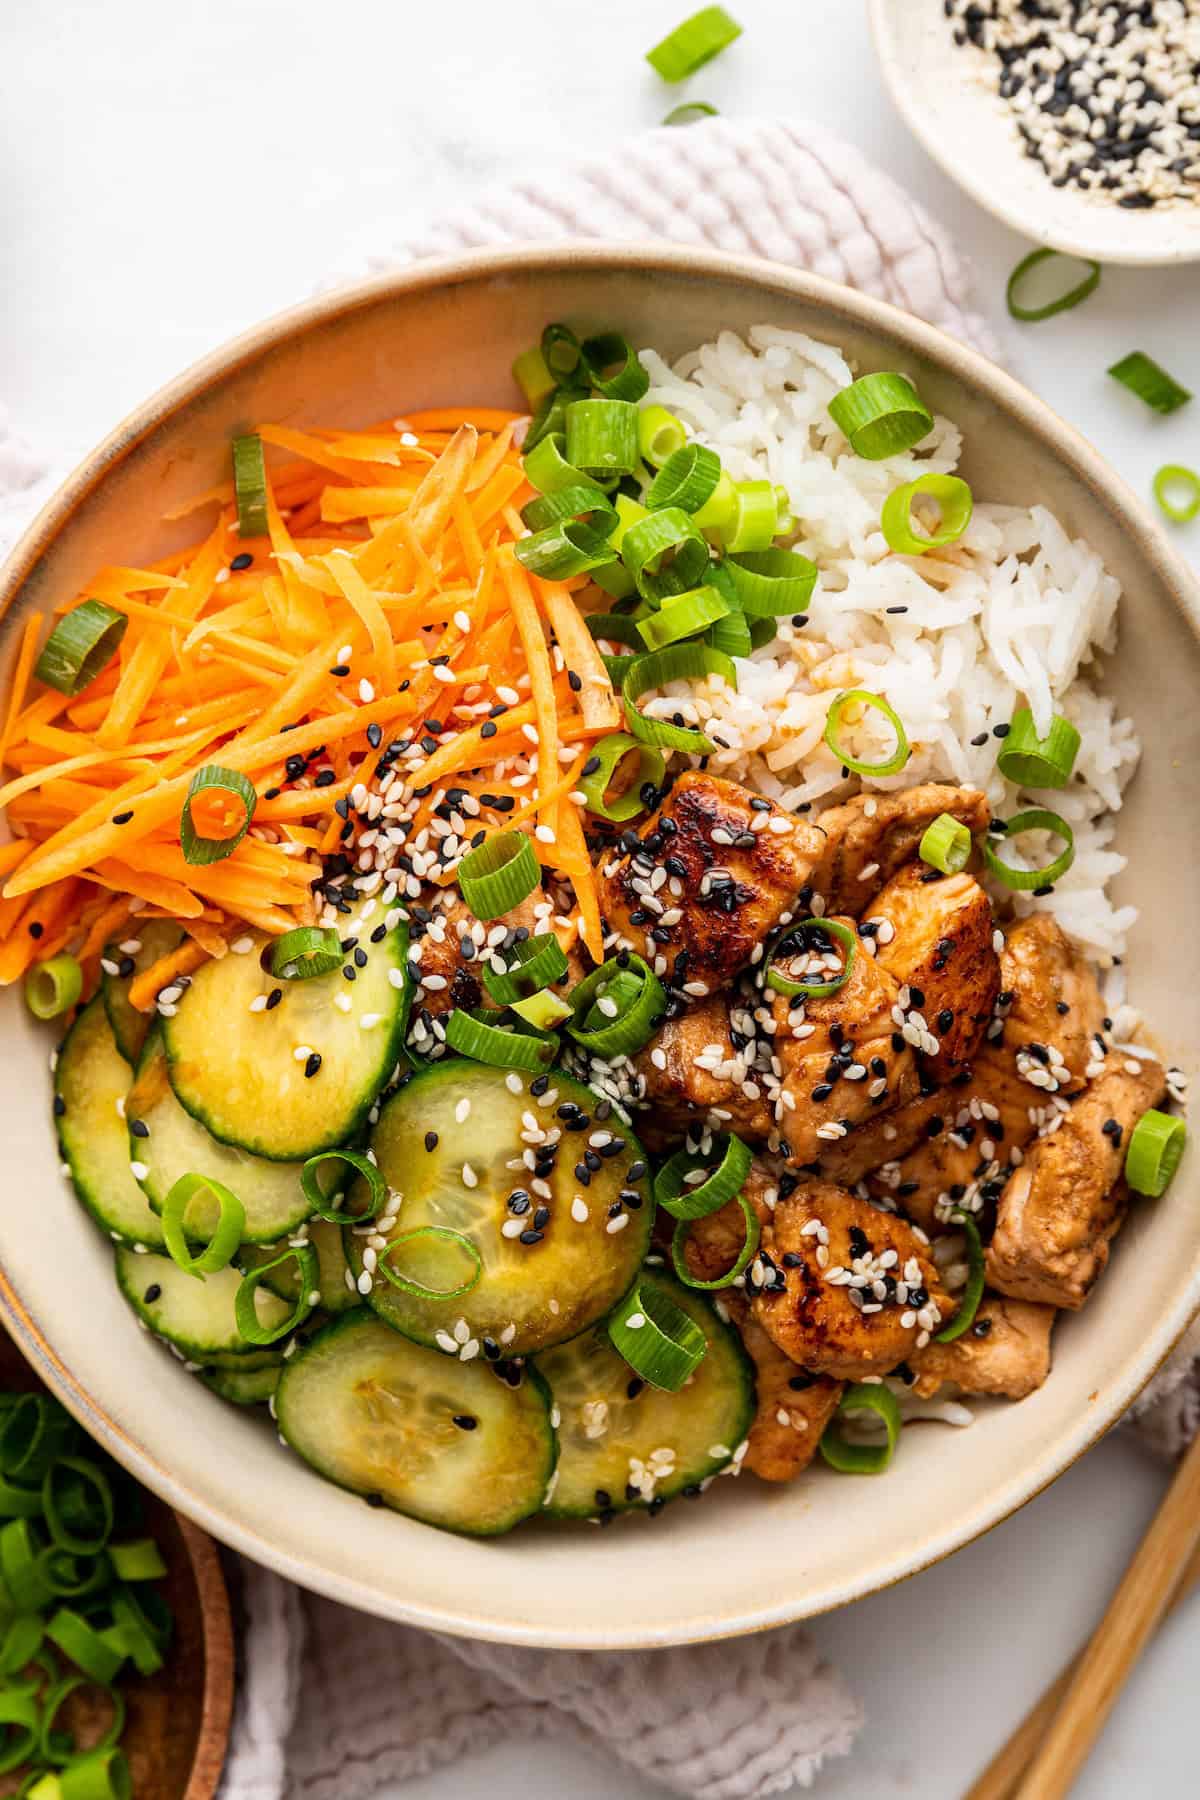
point(301, 1077)
point(177, 1145)
point(461, 1122)
point(91, 1081)
point(249, 1387)
point(157, 937)
point(326, 1240)
point(620, 1449)
point(194, 1315)
point(445, 1442)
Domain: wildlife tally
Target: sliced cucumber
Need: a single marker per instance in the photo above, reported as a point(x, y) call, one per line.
point(91, 1081)
point(326, 1240)
point(377, 1414)
point(476, 1122)
point(301, 1077)
point(194, 1315)
point(177, 1145)
point(614, 1444)
point(245, 1387)
point(157, 937)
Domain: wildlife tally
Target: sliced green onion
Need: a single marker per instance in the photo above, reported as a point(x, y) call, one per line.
point(499, 874)
point(80, 647)
point(683, 616)
point(328, 1205)
point(660, 434)
point(741, 1262)
point(498, 1046)
point(881, 415)
point(1072, 297)
point(690, 113)
point(754, 520)
point(1155, 1147)
point(615, 579)
point(567, 548)
point(33, 1433)
point(679, 662)
point(20, 1546)
point(862, 1459)
point(550, 417)
point(615, 628)
point(1037, 762)
point(212, 778)
point(602, 436)
point(772, 583)
point(955, 504)
point(608, 754)
point(544, 1011)
point(683, 1198)
point(639, 1000)
point(428, 1234)
point(137, 1560)
point(581, 500)
point(532, 376)
point(20, 1641)
point(717, 513)
point(561, 351)
point(862, 697)
point(807, 936)
point(686, 479)
point(245, 1305)
point(68, 1576)
point(547, 469)
point(667, 534)
point(20, 1720)
point(693, 43)
point(972, 1294)
point(1150, 382)
point(18, 1502)
point(1175, 480)
point(1036, 818)
point(225, 1234)
point(946, 845)
point(629, 512)
point(762, 631)
point(309, 950)
point(250, 486)
point(656, 1337)
point(613, 367)
point(530, 967)
point(133, 1629)
point(52, 1702)
point(617, 668)
point(53, 987)
point(84, 1646)
point(731, 635)
point(78, 1504)
point(100, 1775)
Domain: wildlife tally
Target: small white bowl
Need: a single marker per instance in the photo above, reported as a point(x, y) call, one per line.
point(947, 96)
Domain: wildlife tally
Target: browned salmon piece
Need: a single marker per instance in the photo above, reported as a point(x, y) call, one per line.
point(935, 935)
point(1050, 1004)
point(716, 869)
point(821, 1245)
point(694, 1073)
point(1006, 1351)
point(793, 1408)
point(1061, 1209)
point(870, 838)
point(713, 1244)
point(451, 958)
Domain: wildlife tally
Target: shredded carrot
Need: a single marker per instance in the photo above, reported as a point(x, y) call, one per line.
point(25, 661)
point(145, 988)
point(537, 659)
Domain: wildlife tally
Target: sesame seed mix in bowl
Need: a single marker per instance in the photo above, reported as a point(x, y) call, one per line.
point(593, 978)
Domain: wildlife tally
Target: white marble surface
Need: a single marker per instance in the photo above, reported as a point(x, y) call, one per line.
point(168, 174)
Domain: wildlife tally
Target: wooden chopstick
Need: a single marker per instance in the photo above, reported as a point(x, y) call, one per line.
point(1047, 1750)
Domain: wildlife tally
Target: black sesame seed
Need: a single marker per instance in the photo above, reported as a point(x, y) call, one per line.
point(431, 1140)
point(312, 1065)
point(122, 818)
point(531, 1237)
point(60, 1106)
point(273, 999)
point(465, 1422)
point(153, 1293)
point(139, 1128)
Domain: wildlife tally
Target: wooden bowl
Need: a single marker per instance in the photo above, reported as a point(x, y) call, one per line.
point(177, 1725)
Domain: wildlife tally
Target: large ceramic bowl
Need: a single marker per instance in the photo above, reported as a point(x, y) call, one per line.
point(748, 1556)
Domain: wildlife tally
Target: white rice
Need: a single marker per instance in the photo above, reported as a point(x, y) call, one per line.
point(1016, 612)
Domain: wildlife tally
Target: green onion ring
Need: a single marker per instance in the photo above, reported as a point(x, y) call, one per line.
point(683, 616)
point(134, 1631)
point(20, 1641)
point(1150, 382)
point(550, 417)
point(212, 778)
point(615, 628)
point(582, 500)
point(656, 1337)
point(226, 1234)
point(614, 578)
point(497, 876)
point(1036, 818)
point(80, 647)
point(100, 1775)
point(881, 415)
point(499, 1046)
point(608, 753)
point(972, 1294)
point(672, 533)
point(1073, 296)
point(614, 367)
point(862, 1459)
point(250, 486)
point(745, 1255)
point(660, 434)
point(138, 1559)
point(811, 990)
point(946, 845)
point(732, 635)
point(33, 1433)
point(693, 43)
point(569, 547)
point(17, 1502)
point(602, 436)
point(1175, 475)
point(1156, 1145)
point(245, 1310)
point(52, 1702)
point(544, 1011)
point(52, 987)
point(955, 504)
point(671, 1189)
point(69, 1576)
point(634, 1023)
point(687, 479)
point(719, 510)
point(531, 966)
point(755, 518)
point(425, 1234)
point(690, 112)
point(84, 1646)
point(20, 1544)
point(547, 469)
point(679, 662)
point(19, 1721)
point(772, 583)
point(89, 1476)
point(863, 697)
point(531, 375)
point(560, 350)
point(1038, 762)
point(309, 950)
point(326, 1205)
